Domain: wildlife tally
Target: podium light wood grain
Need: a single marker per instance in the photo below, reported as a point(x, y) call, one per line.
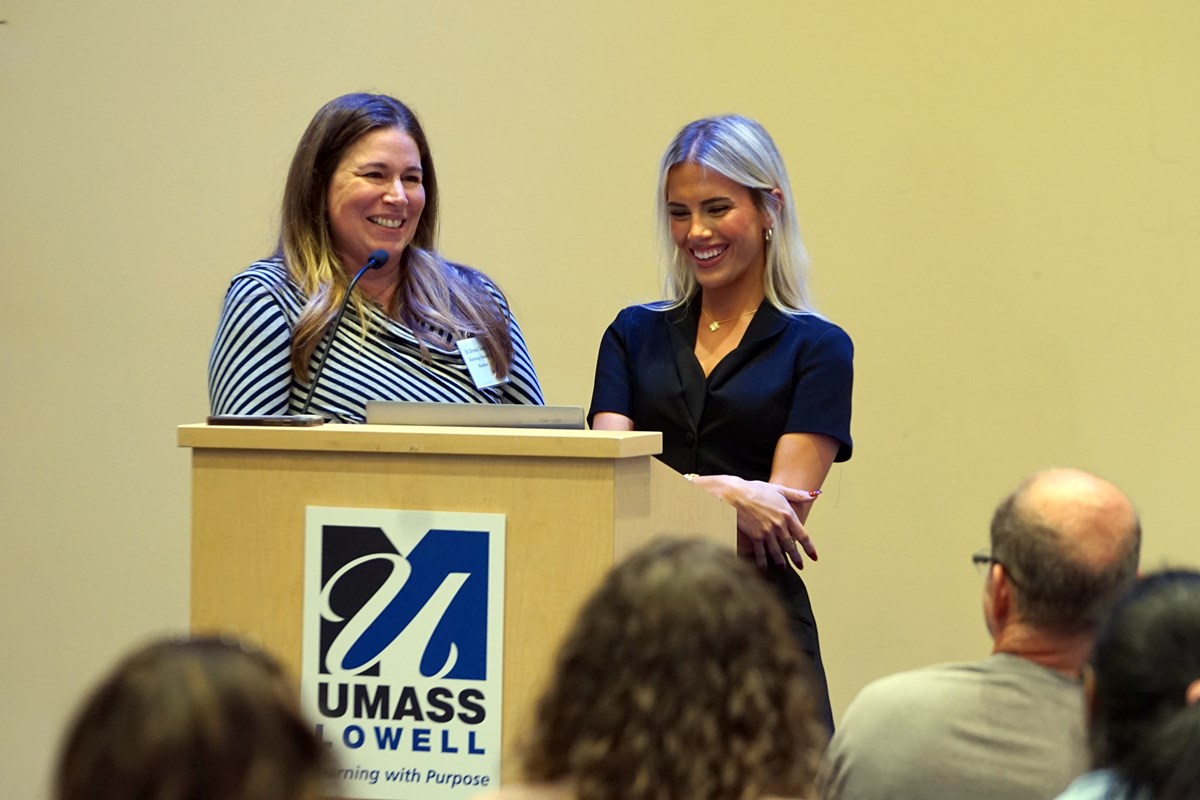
point(574, 502)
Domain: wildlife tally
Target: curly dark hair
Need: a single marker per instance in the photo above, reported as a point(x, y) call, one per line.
point(197, 719)
point(680, 679)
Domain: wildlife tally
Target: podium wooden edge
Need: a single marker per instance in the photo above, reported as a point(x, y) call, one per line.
point(332, 437)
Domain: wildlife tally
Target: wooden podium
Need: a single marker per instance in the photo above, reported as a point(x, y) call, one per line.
point(574, 502)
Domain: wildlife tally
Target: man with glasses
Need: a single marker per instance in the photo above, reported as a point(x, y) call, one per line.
point(1064, 547)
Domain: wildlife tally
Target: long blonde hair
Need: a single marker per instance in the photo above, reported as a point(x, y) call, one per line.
point(434, 299)
point(741, 150)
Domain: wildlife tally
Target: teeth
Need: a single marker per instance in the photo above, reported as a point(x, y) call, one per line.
point(387, 223)
point(704, 255)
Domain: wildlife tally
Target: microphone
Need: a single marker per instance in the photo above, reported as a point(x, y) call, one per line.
point(374, 261)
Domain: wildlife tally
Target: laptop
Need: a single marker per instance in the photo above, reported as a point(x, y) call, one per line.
point(474, 415)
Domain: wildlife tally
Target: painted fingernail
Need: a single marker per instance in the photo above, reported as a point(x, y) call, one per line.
point(815, 492)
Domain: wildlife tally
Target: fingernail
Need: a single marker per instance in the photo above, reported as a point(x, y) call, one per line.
point(815, 492)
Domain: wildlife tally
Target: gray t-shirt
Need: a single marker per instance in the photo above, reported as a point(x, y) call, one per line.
point(1002, 728)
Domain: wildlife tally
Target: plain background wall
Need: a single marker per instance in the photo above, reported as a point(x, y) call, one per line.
point(1002, 201)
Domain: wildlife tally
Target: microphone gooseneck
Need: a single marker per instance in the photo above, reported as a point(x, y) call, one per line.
point(374, 261)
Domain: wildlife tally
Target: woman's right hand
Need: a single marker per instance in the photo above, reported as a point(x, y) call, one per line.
point(766, 517)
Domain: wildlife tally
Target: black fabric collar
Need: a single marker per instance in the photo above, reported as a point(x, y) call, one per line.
point(767, 324)
point(768, 321)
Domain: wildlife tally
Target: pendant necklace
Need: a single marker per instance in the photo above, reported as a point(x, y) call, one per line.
point(716, 324)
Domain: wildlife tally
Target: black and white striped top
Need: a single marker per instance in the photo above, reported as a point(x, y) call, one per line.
point(249, 369)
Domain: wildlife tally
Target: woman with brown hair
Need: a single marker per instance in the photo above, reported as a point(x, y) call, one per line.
point(198, 719)
point(362, 188)
point(678, 681)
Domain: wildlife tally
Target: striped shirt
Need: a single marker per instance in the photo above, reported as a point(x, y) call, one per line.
point(250, 372)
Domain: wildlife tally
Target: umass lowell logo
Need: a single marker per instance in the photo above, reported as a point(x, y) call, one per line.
point(423, 612)
point(403, 659)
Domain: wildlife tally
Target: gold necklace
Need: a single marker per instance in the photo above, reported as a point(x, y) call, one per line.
point(716, 324)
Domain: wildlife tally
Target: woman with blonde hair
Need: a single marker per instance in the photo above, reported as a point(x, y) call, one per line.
point(198, 719)
point(748, 385)
point(362, 190)
point(678, 681)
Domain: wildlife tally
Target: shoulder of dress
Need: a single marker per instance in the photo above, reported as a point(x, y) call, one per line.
point(644, 313)
point(271, 272)
point(815, 329)
point(262, 280)
point(809, 320)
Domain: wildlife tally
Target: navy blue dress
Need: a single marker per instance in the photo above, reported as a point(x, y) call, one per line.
point(791, 373)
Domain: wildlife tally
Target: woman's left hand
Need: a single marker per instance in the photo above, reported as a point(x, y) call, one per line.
point(766, 517)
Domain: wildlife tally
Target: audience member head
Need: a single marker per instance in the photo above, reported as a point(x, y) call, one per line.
point(741, 150)
point(201, 719)
point(306, 235)
point(680, 679)
point(1066, 544)
point(1144, 688)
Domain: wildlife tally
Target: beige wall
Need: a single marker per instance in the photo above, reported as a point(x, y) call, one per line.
point(1002, 201)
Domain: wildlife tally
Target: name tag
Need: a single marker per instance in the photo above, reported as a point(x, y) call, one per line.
point(477, 363)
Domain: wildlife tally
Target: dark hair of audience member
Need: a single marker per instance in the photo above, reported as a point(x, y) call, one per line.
point(1146, 658)
point(1056, 590)
point(198, 719)
point(680, 679)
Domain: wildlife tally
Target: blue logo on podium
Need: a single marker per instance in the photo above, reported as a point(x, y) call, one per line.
point(380, 606)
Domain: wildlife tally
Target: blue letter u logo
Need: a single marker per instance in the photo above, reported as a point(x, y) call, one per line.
point(431, 609)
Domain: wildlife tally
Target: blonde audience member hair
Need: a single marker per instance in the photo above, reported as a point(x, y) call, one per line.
point(741, 150)
point(680, 680)
point(199, 719)
point(434, 299)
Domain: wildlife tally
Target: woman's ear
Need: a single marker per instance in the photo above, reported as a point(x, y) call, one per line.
point(773, 207)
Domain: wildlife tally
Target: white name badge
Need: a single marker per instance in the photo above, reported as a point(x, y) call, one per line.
point(477, 363)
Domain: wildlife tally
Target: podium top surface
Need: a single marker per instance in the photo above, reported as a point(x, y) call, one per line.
point(332, 437)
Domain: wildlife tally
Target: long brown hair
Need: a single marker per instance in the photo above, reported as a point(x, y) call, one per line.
point(434, 297)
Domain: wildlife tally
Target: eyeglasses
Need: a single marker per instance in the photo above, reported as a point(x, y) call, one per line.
point(983, 560)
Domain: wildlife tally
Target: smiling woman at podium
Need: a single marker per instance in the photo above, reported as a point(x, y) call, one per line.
point(361, 201)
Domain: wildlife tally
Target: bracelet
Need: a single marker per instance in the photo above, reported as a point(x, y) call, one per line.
point(691, 476)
